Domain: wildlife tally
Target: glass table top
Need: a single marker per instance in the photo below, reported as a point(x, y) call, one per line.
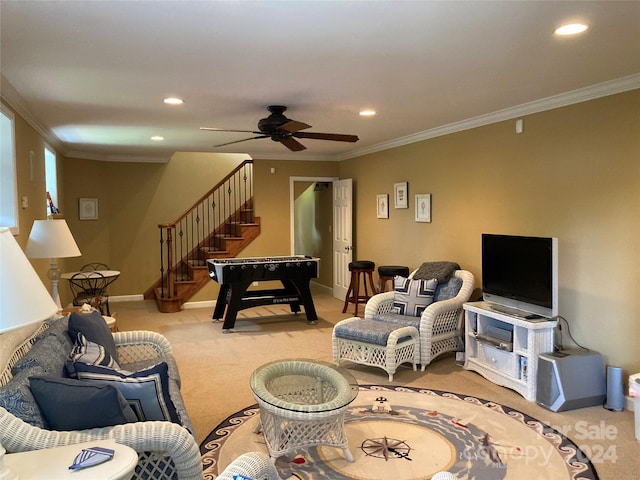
point(304, 385)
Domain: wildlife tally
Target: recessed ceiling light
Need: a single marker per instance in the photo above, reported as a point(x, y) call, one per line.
point(157, 138)
point(367, 113)
point(173, 101)
point(571, 29)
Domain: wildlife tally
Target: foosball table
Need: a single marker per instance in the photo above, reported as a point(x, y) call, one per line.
point(236, 275)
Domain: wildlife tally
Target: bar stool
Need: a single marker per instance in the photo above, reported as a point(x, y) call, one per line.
point(358, 269)
point(387, 272)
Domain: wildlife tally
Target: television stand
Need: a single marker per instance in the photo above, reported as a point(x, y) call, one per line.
point(516, 369)
point(515, 312)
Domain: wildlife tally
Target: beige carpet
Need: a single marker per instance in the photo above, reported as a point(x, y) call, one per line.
point(215, 370)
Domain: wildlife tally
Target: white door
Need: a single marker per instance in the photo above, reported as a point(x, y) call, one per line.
point(342, 236)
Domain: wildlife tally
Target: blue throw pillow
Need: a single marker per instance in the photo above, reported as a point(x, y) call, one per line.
point(147, 391)
point(411, 297)
point(95, 329)
point(85, 351)
point(68, 404)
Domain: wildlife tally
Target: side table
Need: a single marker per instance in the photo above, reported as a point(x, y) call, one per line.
point(302, 404)
point(54, 463)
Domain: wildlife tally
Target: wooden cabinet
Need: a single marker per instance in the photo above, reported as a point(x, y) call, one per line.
point(504, 348)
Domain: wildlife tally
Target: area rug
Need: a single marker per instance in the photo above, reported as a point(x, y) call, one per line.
point(405, 433)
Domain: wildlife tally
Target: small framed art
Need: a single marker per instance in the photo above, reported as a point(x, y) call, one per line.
point(401, 192)
point(88, 208)
point(382, 201)
point(423, 207)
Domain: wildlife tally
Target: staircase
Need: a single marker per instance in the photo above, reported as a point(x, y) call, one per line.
point(219, 225)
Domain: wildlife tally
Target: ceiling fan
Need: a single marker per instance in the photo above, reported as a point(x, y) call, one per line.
point(279, 128)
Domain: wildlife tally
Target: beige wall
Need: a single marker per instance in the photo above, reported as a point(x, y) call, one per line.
point(574, 174)
point(31, 184)
point(134, 198)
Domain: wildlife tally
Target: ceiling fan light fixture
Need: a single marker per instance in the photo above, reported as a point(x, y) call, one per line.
point(571, 29)
point(173, 101)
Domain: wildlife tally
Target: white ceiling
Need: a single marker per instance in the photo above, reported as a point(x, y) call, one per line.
point(91, 75)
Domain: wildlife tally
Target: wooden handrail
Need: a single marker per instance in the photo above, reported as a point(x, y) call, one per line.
point(210, 192)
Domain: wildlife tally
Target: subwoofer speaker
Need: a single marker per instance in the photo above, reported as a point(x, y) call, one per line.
point(570, 379)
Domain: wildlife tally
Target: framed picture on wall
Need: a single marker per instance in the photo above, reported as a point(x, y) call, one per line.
point(88, 208)
point(423, 207)
point(382, 201)
point(401, 193)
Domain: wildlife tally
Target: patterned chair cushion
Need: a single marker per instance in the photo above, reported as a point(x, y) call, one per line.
point(412, 296)
point(398, 319)
point(16, 397)
point(59, 328)
point(366, 331)
point(47, 353)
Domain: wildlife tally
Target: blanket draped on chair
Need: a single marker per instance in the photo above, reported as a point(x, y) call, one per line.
point(441, 271)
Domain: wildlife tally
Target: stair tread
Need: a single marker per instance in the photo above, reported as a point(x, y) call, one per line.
point(195, 271)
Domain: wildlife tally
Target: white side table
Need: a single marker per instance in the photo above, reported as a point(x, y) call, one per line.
point(54, 463)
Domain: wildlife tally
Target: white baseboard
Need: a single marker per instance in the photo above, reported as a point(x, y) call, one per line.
point(201, 304)
point(140, 297)
point(328, 290)
point(126, 298)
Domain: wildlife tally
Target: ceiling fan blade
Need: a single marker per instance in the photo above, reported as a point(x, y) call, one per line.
point(293, 126)
point(212, 129)
point(292, 144)
point(336, 137)
point(243, 140)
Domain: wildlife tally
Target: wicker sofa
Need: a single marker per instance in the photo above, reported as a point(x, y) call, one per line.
point(440, 325)
point(165, 449)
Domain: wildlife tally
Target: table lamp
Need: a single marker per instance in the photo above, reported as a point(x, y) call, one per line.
point(52, 239)
point(23, 297)
point(24, 300)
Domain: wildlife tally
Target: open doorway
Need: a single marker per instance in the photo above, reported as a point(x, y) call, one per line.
point(311, 203)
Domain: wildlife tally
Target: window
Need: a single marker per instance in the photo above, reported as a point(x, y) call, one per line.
point(8, 184)
point(51, 177)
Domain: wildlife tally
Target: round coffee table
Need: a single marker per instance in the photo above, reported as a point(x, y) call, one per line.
point(303, 403)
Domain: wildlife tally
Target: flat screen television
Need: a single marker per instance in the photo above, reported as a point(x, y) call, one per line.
point(520, 274)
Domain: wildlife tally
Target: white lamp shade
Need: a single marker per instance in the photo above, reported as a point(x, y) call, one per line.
point(51, 239)
point(23, 297)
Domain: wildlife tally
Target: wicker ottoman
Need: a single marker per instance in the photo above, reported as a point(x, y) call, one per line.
point(378, 344)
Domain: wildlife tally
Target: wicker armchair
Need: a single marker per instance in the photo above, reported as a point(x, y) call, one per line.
point(441, 323)
point(166, 450)
point(256, 465)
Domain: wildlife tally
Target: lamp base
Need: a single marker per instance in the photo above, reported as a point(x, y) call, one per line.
point(54, 276)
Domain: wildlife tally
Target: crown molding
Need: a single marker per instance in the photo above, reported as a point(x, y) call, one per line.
point(308, 157)
point(12, 98)
point(117, 158)
point(592, 92)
